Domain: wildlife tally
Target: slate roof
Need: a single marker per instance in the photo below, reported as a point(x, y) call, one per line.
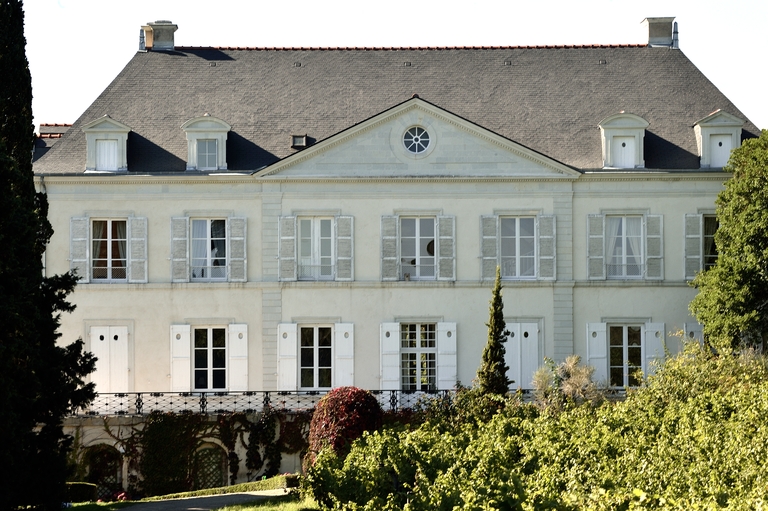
point(549, 99)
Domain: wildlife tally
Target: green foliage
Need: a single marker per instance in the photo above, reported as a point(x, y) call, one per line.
point(263, 446)
point(693, 436)
point(40, 380)
point(81, 492)
point(340, 417)
point(732, 298)
point(492, 374)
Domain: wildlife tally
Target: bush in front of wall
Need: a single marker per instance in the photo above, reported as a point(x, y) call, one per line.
point(342, 416)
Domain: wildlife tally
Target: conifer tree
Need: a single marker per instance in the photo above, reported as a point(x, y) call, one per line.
point(492, 374)
point(39, 380)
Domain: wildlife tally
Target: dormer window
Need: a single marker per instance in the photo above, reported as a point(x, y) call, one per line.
point(206, 143)
point(298, 141)
point(622, 139)
point(106, 145)
point(716, 136)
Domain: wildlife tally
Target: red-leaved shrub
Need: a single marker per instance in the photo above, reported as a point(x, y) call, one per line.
point(342, 416)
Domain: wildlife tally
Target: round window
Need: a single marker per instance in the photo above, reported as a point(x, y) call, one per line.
point(416, 140)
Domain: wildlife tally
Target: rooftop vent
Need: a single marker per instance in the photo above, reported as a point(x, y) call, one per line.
point(662, 32)
point(157, 36)
point(299, 141)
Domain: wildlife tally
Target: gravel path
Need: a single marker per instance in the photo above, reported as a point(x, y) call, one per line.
point(205, 503)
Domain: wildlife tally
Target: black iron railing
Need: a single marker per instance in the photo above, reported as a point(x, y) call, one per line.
point(142, 403)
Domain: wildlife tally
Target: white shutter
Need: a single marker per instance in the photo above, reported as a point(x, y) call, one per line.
point(106, 155)
point(287, 349)
point(79, 247)
point(118, 359)
point(597, 351)
point(99, 346)
point(446, 356)
point(344, 355)
point(547, 252)
point(390, 258)
point(390, 356)
point(522, 354)
point(181, 364)
point(287, 250)
point(654, 247)
point(180, 249)
point(596, 247)
point(238, 357)
point(345, 248)
point(489, 246)
point(694, 332)
point(137, 250)
point(694, 243)
point(236, 233)
point(446, 248)
point(653, 346)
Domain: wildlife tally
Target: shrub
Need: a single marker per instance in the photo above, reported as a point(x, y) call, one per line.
point(342, 416)
point(81, 492)
point(569, 382)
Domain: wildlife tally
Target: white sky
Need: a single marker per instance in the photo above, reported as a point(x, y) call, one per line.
point(76, 47)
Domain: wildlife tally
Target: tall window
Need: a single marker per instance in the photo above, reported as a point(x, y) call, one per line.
point(316, 249)
point(316, 357)
point(210, 370)
point(209, 249)
point(109, 256)
point(206, 154)
point(417, 248)
point(518, 247)
point(624, 235)
point(710, 249)
point(418, 356)
point(625, 354)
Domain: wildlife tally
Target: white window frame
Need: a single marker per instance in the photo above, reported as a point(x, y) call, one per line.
point(697, 258)
point(209, 350)
point(408, 261)
point(651, 247)
point(99, 131)
point(110, 257)
point(709, 256)
point(544, 245)
point(716, 123)
point(652, 350)
point(107, 155)
point(620, 270)
point(81, 248)
point(342, 247)
point(516, 239)
point(202, 147)
point(315, 349)
point(417, 359)
point(206, 273)
point(183, 362)
point(313, 263)
point(206, 128)
point(622, 125)
point(392, 354)
point(394, 263)
point(623, 364)
point(183, 248)
point(289, 353)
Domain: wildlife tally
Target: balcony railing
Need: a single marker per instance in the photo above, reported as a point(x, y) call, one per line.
point(317, 272)
point(625, 271)
point(144, 403)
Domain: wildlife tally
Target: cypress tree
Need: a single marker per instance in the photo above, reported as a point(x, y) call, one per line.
point(492, 374)
point(39, 380)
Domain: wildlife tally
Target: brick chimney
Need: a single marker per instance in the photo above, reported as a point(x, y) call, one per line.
point(662, 32)
point(158, 36)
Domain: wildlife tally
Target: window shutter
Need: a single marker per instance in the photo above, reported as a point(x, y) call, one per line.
point(653, 345)
point(181, 347)
point(137, 250)
point(344, 355)
point(446, 356)
point(118, 359)
point(236, 232)
point(287, 349)
point(99, 347)
point(446, 248)
point(287, 250)
point(654, 247)
point(596, 247)
point(547, 252)
point(512, 356)
point(597, 351)
point(694, 332)
point(390, 262)
point(79, 243)
point(489, 245)
point(180, 249)
point(694, 243)
point(345, 248)
point(390, 356)
point(238, 357)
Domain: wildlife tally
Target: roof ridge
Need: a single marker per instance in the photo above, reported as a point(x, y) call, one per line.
point(406, 48)
point(54, 124)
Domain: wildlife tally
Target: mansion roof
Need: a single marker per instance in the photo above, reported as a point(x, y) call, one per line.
point(549, 99)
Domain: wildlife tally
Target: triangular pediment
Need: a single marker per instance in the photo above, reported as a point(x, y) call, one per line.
point(106, 124)
point(721, 119)
point(417, 139)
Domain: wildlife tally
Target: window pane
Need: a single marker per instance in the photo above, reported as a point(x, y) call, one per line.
point(219, 358)
point(201, 338)
point(325, 228)
point(617, 377)
point(324, 336)
point(307, 336)
point(307, 357)
point(201, 379)
point(219, 379)
point(307, 377)
point(527, 267)
point(634, 335)
point(617, 356)
point(324, 378)
point(201, 359)
point(633, 356)
point(526, 227)
point(508, 247)
point(408, 227)
point(616, 334)
point(408, 247)
point(219, 338)
point(324, 357)
point(508, 226)
point(427, 227)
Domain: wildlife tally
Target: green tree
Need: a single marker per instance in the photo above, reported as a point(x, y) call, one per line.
point(39, 380)
point(492, 374)
point(732, 302)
